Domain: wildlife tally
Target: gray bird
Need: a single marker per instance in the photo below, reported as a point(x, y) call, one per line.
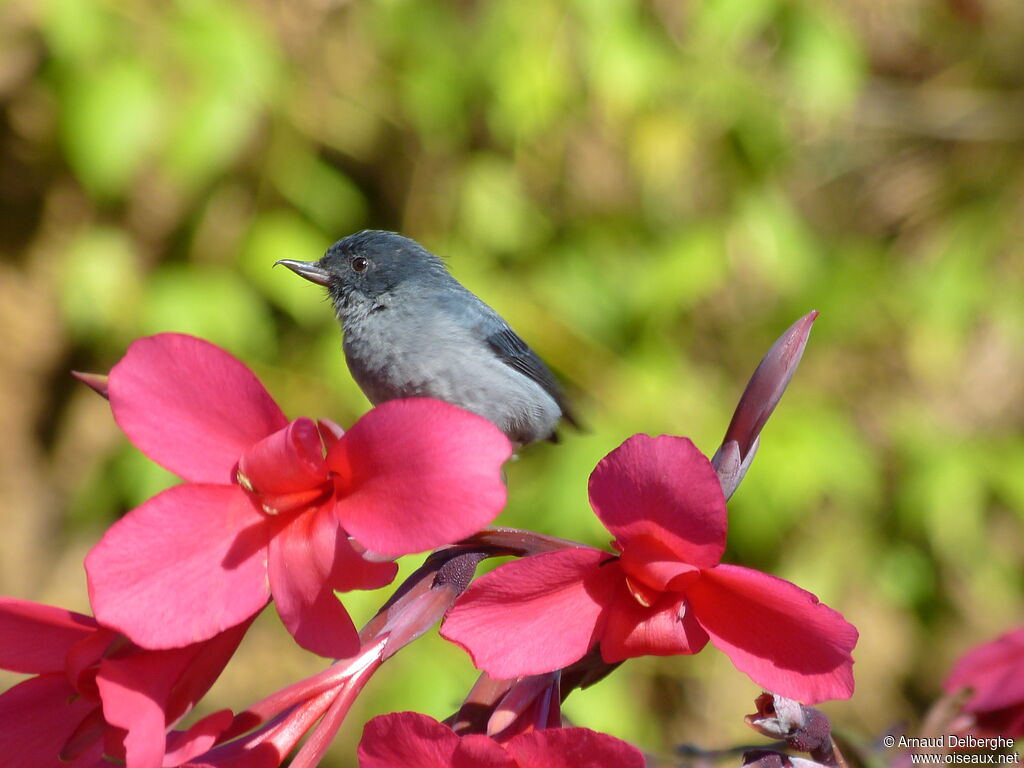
point(412, 330)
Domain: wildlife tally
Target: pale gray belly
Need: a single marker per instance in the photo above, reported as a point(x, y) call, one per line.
point(461, 371)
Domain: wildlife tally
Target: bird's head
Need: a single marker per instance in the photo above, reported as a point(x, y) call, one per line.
point(363, 271)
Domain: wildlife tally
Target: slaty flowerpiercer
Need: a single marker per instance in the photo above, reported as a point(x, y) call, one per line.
point(412, 330)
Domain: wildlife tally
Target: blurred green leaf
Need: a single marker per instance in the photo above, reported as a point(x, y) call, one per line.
point(662, 149)
point(825, 62)
point(139, 478)
point(212, 304)
point(283, 235)
point(685, 269)
point(496, 211)
point(600, 708)
point(433, 80)
point(321, 192)
point(944, 493)
point(821, 457)
point(721, 26)
point(628, 64)
point(906, 575)
point(1003, 465)
point(100, 283)
point(110, 123)
point(231, 68)
point(76, 30)
point(775, 241)
point(530, 67)
point(210, 130)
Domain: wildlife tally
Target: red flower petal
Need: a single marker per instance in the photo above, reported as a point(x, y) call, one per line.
point(198, 667)
point(573, 748)
point(633, 630)
point(650, 563)
point(353, 571)
point(37, 717)
point(404, 739)
point(533, 615)
point(146, 692)
point(306, 557)
point(995, 672)
point(417, 474)
point(36, 638)
point(478, 751)
point(182, 746)
point(184, 566)
point(135, 703)
point(662, 489)
point(330, 432)
point(268, 746)
point(286, 462)
point(776, 633)
point(190, 406)
point(81, 663)
point(1007, 722)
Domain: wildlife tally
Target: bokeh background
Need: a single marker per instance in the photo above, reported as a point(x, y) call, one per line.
point(649, 191)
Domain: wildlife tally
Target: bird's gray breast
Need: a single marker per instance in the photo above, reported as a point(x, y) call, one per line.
point(396, 351)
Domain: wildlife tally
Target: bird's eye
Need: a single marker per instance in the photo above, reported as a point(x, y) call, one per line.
point(359, 264)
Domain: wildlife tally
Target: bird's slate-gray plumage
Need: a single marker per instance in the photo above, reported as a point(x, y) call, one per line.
point(411, 330)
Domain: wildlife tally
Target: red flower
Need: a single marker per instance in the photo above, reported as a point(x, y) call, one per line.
point(406, 739)
point(269, 730)
point(666, 593)
point(994, 673)
point(264, 735)
point(95, 693)
point(264, 512)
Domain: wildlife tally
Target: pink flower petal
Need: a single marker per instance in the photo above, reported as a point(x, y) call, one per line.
point(573, 748)
point(363, 667)
point(994, 671)
point(1007, 722)
point(182, 746)
point(37, 717)
point(404, 739)
point(633, 630)
point(417, 474)
point(776, 633)
point(330, 432)
point(353, 571)
point(190, 406)
point(146, 692)
point(36, 638)
point(478, 751)
point(82, 660)
point(287, 461)
point(306, 557)
point(184, 566)
point(268, 746)
point(662, 489)
point(129, 703)
point(197, 668)
point(533, 615)
point(649, 562)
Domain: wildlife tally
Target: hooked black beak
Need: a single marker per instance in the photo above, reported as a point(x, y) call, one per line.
point(310, 270)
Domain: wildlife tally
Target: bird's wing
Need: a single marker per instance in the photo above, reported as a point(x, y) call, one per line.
point(516, 353)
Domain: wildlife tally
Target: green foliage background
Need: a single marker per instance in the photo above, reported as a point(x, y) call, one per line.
point(650, 192)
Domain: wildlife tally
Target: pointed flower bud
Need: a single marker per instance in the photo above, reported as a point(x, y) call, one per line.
point(759, 399)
